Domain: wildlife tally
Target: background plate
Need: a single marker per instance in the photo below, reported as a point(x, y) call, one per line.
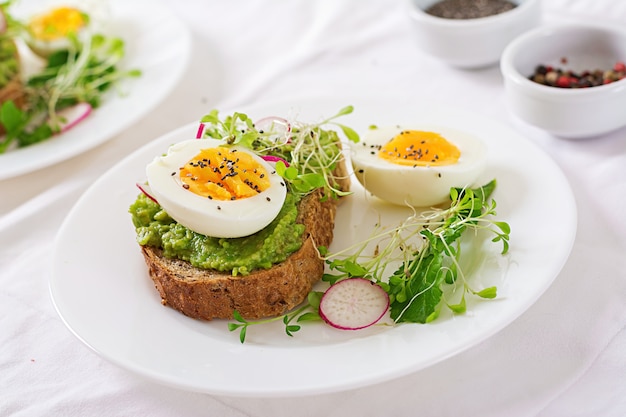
point(103, 293)
point(162, 56)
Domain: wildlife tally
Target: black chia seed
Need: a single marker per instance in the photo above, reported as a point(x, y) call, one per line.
point(469, 9)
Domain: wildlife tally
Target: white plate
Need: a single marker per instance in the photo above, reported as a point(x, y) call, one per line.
point(158, 44)
point(101, 289)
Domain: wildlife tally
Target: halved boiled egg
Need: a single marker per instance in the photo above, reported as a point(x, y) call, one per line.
point(417, 166)
point(49, 29)
point(216, 190)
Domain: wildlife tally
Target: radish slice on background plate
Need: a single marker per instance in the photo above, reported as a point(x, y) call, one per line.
point(353, 303)
point(71, 116)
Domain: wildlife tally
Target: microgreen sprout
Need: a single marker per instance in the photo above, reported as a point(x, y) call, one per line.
point(306, 313)
point(79, 74)
point(312, 151)
point(427, 245)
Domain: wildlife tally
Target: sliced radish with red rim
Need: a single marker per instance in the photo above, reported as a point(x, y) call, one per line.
point(146, 190)
point(272, 158)
point(353, 303)
point(71, 116)
point(278, 127)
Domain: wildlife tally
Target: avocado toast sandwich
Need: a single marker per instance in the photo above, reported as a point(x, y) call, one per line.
point(231, 222)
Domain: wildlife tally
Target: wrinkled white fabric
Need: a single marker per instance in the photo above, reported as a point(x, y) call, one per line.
point(563, 357)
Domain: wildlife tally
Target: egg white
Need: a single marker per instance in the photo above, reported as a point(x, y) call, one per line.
point(420, 186)
point(216, 218)
point(45, 48)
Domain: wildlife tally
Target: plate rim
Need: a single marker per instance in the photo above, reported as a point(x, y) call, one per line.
point(307, 390)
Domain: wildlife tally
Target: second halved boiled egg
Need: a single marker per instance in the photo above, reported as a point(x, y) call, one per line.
point(50, 29)
point(416, 166)
point(49, 32)
point(216, 190)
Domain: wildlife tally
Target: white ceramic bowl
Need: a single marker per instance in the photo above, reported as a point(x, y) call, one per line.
point(471, 43)
point(566, 112)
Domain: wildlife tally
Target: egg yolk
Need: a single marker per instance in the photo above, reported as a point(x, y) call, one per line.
point(419, 148)
point(224, 174)
point(58, 23)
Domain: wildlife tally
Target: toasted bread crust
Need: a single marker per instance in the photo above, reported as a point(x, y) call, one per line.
point(208, 294)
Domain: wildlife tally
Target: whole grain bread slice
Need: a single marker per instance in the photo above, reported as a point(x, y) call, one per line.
point(208, 294)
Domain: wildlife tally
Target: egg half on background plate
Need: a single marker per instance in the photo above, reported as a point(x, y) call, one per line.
point(51, 25)
point(415, 166)
point(216, 190)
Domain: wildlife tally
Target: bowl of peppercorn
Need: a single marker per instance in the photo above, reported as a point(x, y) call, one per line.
point(569, 80)
point(470, 33)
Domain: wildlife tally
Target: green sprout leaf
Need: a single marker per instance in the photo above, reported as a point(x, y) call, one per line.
point(314, 298)
point(309, 317)
point(350, 133)
point(490, 292)
point(242, 334)
point(212, 117)
point(291, 329)
point(11, 117)
point(459, 308)
point(344, 111)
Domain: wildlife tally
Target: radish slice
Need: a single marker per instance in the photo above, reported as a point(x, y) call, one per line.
point(353, 303)
point(146, 190)
point(71, 116)
point(272, 158)
point(200, 131)
point(271, 122)
point(278, 127)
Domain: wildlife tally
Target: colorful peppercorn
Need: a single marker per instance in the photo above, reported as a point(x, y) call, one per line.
point(557, 77)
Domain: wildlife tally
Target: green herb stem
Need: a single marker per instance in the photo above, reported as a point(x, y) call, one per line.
point(312, 151)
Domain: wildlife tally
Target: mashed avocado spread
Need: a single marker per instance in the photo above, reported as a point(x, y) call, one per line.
point(240, 256)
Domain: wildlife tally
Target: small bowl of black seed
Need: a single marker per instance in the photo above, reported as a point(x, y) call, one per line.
point(569, 80)
point(471, 33)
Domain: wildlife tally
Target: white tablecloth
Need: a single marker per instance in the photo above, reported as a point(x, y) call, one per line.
point(565, 356)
